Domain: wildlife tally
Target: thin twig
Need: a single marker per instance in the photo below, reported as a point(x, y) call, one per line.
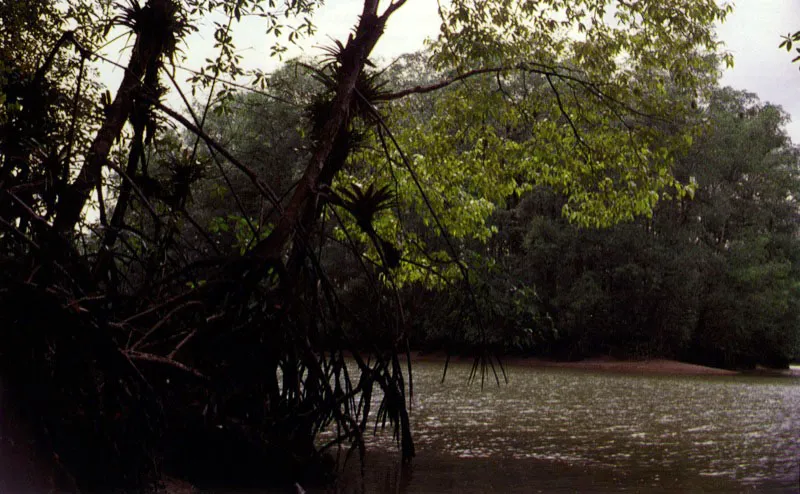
point(163, 321)
point(158, 359)
point(182, 343)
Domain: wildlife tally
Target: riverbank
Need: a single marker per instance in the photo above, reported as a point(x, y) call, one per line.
point(665, 367)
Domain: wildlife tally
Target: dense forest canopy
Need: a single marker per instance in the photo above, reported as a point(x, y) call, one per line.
point(182, 288)
point(721, 258)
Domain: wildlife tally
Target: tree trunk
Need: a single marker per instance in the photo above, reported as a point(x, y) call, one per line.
point(301, 212)
point(148, 49)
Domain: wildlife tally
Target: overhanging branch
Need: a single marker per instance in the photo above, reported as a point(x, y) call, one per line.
point(550, 71)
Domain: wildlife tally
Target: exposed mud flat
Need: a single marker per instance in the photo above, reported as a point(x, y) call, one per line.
point(609, 364)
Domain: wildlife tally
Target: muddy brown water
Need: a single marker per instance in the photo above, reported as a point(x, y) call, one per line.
point(564, 430)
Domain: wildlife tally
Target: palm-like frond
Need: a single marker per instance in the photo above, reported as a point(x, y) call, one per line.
point(163, 20)
point(364, 204)
point(369, 89)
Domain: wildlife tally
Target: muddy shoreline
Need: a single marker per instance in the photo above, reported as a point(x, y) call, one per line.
point(658, 366)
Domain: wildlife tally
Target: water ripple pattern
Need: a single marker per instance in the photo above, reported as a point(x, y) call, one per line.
point(658, 430)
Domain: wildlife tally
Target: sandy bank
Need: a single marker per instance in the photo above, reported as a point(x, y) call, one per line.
point(654, 366)
point(607, 364)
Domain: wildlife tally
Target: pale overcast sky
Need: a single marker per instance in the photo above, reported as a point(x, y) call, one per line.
point(752, 34)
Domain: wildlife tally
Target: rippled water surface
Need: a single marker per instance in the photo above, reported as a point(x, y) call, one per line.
point(556, 430)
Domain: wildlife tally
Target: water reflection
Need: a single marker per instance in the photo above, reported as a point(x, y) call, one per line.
point(560, 430)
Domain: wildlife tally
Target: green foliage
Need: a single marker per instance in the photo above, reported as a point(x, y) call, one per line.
point(583, 115)
point(788, 43)
point(571, 102)
point(711, 278)
point(477, 146)
point(286, 21)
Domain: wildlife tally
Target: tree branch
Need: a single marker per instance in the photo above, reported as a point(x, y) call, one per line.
point(158, 359)
point(439, 85)
point(260, 184)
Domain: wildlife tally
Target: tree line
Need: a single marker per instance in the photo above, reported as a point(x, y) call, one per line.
point(710, 277)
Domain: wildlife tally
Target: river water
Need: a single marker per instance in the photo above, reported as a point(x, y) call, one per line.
point(560, 430)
